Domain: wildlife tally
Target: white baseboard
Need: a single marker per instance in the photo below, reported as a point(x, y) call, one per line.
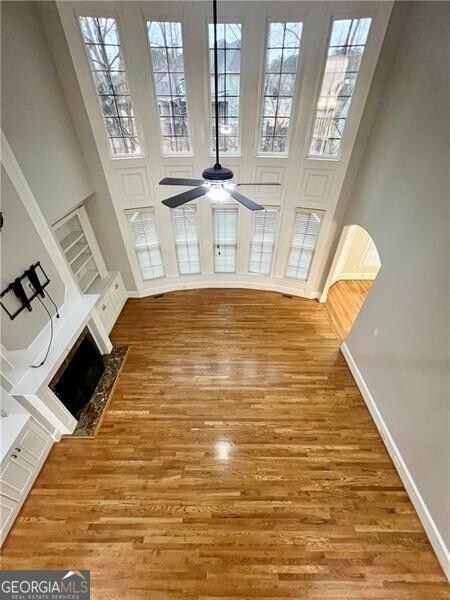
point(167, 287)
point(439, 546)
point(351, 276)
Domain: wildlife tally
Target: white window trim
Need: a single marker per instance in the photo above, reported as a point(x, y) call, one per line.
point(130, 240)
point(96, 12)
point(295, 96)
point(214, 244)
point(191, 205)
point(147, 19)
point(233, 21)
point(275, 243)
point(338, 16)
point(322, 212)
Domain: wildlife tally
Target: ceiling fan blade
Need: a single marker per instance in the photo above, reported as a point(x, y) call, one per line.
point(184, 197)
point(245, 201)
point(179, 181)
point(261, 183)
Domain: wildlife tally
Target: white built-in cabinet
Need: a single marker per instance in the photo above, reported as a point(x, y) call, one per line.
point(112, 298)
point(19, 468)
point(79, 246)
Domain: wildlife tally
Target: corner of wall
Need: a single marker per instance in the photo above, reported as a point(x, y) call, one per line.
point(374, 99)
point(432, 531)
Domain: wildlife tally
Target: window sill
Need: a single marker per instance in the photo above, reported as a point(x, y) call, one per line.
point(178, 155)
point(126, 156)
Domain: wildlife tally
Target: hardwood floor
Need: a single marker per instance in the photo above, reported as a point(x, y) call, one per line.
point(236, 460)
point(345, 299)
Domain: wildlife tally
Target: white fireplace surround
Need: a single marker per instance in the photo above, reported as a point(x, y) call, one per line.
point(29, 386)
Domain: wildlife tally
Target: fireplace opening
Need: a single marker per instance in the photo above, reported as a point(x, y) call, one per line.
point(79, 374)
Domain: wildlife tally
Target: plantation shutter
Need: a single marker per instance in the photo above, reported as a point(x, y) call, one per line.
point(225, 239)
point(263, 240)
point(146, 242)
point(306, 232)
point(186, 239)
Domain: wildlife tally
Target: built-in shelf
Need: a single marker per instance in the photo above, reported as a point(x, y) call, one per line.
point(88, 279)
point(76, 250)
point(76, 247)
point(70, 240)
point(81, 262)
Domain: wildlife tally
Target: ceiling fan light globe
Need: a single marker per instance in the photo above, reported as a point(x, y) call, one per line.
point(218, 193)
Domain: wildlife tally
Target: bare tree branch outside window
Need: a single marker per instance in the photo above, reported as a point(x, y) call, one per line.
point(101, 39)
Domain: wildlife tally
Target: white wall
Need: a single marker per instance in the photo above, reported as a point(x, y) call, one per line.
point(35, 117)
point(99, 206)
point(401, 198)
point(21, 247)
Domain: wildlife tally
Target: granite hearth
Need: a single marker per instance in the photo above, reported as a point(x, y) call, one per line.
point(91, 415)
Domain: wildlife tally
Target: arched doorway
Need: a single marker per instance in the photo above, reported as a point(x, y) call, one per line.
point(355, 266)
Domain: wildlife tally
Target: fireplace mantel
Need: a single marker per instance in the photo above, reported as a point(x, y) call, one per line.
point(32, 389)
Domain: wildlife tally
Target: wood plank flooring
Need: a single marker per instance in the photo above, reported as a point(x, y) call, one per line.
point(345, 299)
point(236, 460)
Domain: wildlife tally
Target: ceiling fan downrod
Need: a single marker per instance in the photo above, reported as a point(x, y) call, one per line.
point(216, 181)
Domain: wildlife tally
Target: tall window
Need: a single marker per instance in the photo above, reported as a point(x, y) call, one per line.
point(346, 48)
point(102, 43)
point(263, 240)
point(166, 45)
point(146, 242)
point(282, 57)
point(225, 239)
point(306, 231)
point(186, 239)
point(229, 67)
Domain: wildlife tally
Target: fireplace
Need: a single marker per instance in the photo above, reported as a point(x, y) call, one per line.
point(79, 374)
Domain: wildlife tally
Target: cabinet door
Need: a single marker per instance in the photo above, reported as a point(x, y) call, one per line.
point(106, 312)
point(16, 476)
point(8, 510)
point(34, 444)
point(117, 294)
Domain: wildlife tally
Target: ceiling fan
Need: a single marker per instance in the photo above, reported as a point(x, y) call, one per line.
point(216, 182)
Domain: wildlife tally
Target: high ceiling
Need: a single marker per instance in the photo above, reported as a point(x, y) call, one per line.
point(293, 80)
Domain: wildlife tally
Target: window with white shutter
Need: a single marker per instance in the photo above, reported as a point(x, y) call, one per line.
point(186, 239)
point(304, 241)
point(225, 239)
point(146, 242)
point(263, 240)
